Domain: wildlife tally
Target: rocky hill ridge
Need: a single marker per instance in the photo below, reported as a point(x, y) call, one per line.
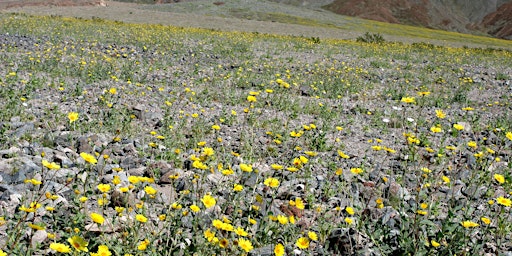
point(492, 17)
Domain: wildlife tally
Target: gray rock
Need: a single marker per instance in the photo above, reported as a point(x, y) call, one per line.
point(65, 139)
point(63, 160)
point(38, 238)
point(139, 111)
point(136, 171)
point(263, 251)
point(130, 148)
point(84, 146)
point(8, 153)
point(130, 162)
point(16, 170)
point(7, 191)
point(26, 128)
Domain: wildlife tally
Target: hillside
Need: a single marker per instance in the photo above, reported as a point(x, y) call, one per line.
point(492, 17)
point(308, 20)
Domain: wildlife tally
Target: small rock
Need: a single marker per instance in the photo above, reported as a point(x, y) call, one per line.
point(38, 238)
point(138, 111)
point(136, 171)
point(63, 160)
point(18, 133)
point(7, 153)
point(263, 251)
point(130, 162)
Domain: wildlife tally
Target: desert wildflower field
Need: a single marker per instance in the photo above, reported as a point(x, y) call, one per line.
point(139, 139)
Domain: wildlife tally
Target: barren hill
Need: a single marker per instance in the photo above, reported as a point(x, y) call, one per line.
point(493, 17)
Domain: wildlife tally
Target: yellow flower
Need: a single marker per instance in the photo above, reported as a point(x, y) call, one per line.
point(292, 169)
point(245, 244)
point(343, 155)
point(96, 217)
point(504, 201)
point(32, 208)
point(150, 190)
point(51, 166)
point(295, 134)
point(208, 151)
point(72, 116)
point(58, 247)
point(279, 250)
point(33, 181)
point(472, 144)
point(246, 167)
point(421, 212)
point(88, 158)
point(312, 235)
point(251, 98)
point(485, 220)
point(436, 129)
point(499, 178)
point(141, 218)
point(271, 182)
point(209, 235)
point(434, 243)
point(217, 223)
point(223, 243)
point(276, 166)
point(195, 208)
point(36, 227)
point(509, 135)
point(302, 242)
point(282, 219)
point(440, 113)
point(426, 170)
point(408, 100)
point(143, 245)
point(298, 203)
point(199, 165)
point(349, 220)
point(356, 170)
point(240, 231)
point(311, 153)
point(208, 201)
point(116, 180)
point(78, 243)
point(458, 127)
point(103, 187)
point(349, 210)
point(469, 224)
point(102, 251)
point(215, 127)
point(238, 187)
point(446, 180)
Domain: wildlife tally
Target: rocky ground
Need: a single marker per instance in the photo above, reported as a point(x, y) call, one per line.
point(36, 132)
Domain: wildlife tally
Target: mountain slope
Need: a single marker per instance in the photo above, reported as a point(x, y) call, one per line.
point(467, 16)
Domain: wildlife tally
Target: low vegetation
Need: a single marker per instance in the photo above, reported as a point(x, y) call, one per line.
point(159, 140)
